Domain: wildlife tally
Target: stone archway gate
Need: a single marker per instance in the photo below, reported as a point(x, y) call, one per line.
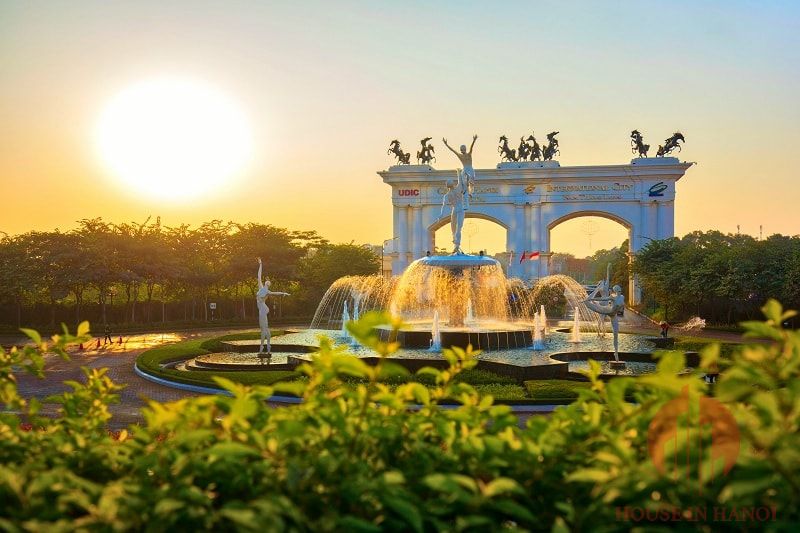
point(529, 199)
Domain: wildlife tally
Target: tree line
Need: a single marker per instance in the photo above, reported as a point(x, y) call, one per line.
point(145, 273)
point(721, 278)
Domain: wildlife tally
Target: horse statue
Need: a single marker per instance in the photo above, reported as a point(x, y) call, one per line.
point(550, 149)
point(524, 150)
point(509, 154)
point(425, 155)
point(637, 144)
point(536, 150)
point(403, 158)
point(671, 144)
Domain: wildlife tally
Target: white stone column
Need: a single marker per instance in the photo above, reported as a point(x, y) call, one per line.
point(416, 232)
point(666, 220)
point(401, 232)
point(537, 243)
point(429, 217)
point(396, 232)
point(652, 220)
point(516, 238)
point(409, 235)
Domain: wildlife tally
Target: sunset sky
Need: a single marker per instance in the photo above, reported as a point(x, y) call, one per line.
point(325, 86)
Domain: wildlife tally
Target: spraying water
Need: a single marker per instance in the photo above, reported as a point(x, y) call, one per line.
point(543, 320)
point(538, 343)
point(576, 328)
point(345, 320)
point(436, 335)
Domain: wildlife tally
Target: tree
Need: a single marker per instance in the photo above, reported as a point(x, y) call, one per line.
point(328, 263)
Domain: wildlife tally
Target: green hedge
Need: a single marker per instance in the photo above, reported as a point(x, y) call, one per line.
point(555, 390)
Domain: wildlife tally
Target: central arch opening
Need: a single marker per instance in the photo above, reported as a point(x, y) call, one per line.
point(583, 244)
point(479, 234)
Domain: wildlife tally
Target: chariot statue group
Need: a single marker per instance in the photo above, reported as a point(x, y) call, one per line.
point(424, 155)
point(529, 149)
point(671, 144)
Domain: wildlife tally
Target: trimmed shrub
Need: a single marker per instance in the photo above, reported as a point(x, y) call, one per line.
point(354, 457)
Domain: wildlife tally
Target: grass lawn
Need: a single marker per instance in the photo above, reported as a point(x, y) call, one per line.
point(696, 344)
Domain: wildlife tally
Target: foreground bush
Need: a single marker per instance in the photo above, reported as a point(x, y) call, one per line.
point(355, 457)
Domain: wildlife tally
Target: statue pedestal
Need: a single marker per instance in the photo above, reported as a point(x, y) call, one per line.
point(644, 161)
point(529, 164)
point(411, 168)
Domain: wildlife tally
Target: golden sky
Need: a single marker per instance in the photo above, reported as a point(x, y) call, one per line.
point(326, 86)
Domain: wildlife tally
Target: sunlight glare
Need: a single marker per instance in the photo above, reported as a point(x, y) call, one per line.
point(173, 138)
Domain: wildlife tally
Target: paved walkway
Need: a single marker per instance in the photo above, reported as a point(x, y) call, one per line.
point(119, 360)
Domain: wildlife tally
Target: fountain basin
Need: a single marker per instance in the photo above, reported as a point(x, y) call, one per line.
point(480, 338)
point(634, 363)
point(457, 261)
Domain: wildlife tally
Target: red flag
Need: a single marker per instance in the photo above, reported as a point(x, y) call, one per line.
point(529, 256)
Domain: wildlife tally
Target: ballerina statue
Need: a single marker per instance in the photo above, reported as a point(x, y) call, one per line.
point(455, 198)
point(612, 305)
point(468, 179)
point(263, 310)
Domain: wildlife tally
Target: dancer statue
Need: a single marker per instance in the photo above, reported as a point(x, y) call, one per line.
point(263, 310)
point(454, 197)
point(468, 180)
point(612, 305)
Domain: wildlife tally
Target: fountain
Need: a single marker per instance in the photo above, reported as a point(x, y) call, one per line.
point(575, 336)
point(460, 300)
point(538, 343)
point(345, 320)
point(475, 302)
point(436, 337)
point(543, 320)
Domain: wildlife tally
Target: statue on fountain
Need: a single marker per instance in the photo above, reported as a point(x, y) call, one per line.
point(454, 197)
point(611, 305)
point(263, 310)
point(466, 175)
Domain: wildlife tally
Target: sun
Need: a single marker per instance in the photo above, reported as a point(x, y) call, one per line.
point(173, 138)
